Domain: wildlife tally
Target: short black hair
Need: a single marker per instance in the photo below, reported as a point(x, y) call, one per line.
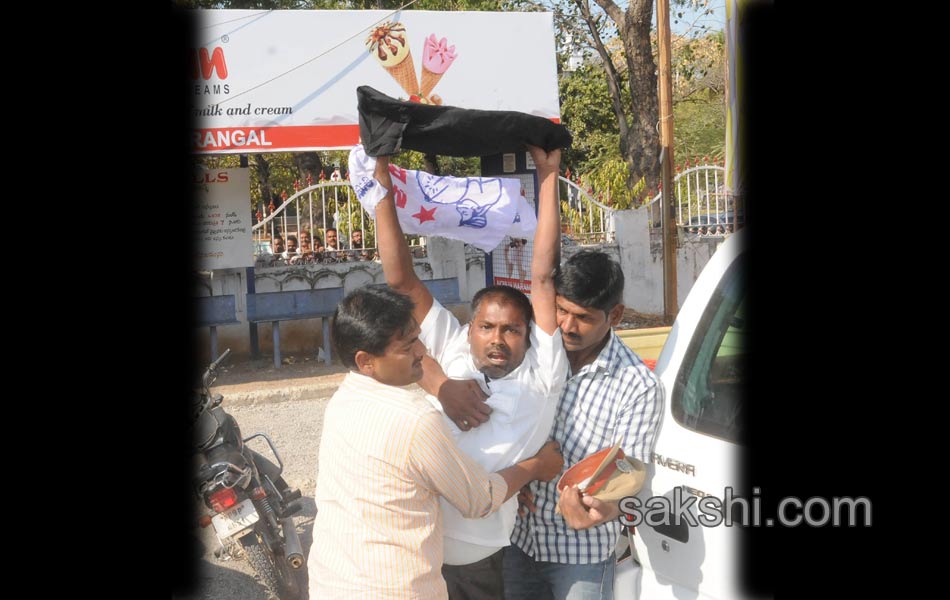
point(508, 295)
point(367, 319)
point(590, 279)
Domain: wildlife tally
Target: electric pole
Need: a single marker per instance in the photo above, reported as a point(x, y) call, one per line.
point(668, 208)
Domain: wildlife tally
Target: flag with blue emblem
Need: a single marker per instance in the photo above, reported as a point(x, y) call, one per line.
point(479, 211)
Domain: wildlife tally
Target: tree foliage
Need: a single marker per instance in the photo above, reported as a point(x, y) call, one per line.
point(631, 83)
point(601, 85)
point(699, 107)
point(591, 119)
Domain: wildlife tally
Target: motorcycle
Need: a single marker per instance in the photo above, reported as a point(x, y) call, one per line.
point(250, 502)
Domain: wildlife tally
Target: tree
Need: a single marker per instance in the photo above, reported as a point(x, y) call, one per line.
point(621, 45)
point(637, 112)
point(699, 108)
point(589, 117)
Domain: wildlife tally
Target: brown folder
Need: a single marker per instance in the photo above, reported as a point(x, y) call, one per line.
point(607, 475)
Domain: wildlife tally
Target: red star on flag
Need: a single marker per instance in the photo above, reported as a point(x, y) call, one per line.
point(425, 215)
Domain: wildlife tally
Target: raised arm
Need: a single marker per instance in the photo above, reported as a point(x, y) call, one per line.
point(547, 239)
point(393, 251)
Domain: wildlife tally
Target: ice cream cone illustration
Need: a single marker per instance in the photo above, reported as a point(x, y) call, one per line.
point(389, 45)
point(437, 57)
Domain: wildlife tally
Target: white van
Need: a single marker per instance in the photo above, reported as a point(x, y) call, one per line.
point(698, 451)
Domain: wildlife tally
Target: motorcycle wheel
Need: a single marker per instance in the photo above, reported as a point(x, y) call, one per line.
point(266, 467)
point(275, 573)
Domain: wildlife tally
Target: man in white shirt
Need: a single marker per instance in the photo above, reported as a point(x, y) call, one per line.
point(521, 361)
point(331, 237)
point(291, 250)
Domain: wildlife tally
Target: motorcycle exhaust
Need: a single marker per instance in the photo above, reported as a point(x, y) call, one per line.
point(292, 548)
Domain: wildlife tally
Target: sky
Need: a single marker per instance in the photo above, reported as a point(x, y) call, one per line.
point(715, 22)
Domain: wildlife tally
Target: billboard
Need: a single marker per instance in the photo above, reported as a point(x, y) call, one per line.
point(276, 81)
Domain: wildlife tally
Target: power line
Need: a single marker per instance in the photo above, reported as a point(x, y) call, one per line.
point(321, 55)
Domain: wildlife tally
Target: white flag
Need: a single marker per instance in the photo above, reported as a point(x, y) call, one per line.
point(480, 211)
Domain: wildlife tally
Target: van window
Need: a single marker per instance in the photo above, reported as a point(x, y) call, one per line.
point(708, 393)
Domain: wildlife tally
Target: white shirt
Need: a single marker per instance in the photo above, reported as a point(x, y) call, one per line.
point(523, 406)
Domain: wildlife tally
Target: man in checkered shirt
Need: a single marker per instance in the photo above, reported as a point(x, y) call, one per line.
point(611, 396)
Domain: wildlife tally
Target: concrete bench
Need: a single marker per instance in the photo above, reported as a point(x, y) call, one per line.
point(296, 304)
point(445, 290)
point(213, 311)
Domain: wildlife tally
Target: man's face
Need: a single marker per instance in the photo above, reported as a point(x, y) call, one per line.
point(357, 236)
point(331, 238)
point(278, 245)
point(583, 327)
point(304, 238)
point(401, 363)
point(498, 337)
point(291, 245)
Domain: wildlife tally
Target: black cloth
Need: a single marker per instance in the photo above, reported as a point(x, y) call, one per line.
point(482, 580)
point(388, 125)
